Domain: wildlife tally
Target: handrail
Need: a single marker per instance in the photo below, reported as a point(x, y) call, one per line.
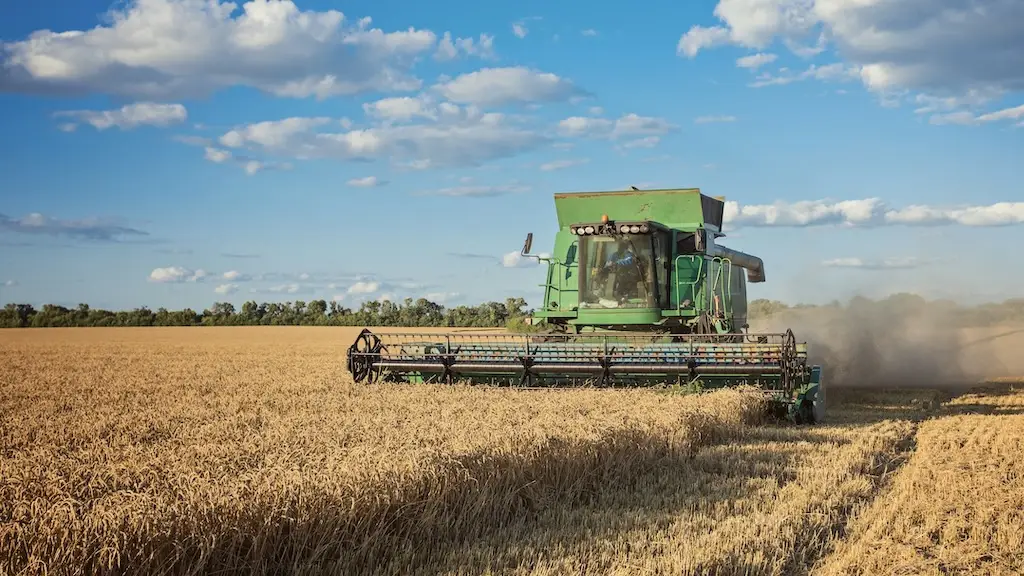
point(691, 283)
point(557, 267)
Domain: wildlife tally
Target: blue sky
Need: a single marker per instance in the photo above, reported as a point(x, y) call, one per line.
point(180, 152)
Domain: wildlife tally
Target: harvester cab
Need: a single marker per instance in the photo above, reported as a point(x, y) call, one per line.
point(638, 291)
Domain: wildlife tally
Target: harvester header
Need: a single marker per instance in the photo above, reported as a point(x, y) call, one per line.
point(638, 292)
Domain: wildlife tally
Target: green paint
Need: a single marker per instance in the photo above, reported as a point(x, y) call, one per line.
point(677, 290)
point(628, 298)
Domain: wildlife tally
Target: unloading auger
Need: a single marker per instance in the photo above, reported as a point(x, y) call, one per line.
point(637, 293)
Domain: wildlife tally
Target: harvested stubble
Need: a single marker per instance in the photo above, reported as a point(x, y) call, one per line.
point(957, 506)
point(197, 451)
point(770, 502)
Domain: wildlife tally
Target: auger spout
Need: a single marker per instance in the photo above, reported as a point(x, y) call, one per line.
point(752, 264)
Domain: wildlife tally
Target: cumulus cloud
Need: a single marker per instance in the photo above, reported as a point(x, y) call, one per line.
point(510, 85)
point(247, 163)
point(368, 287)
point(837, 71)
point(402, 108)
point(236, 276)
point(932, 46)
point(462, 136)
point(93, 229)
point(755, 61)
point(966, 118)
point(629, 125)
point(176, 274)
point(366, 182)
point(448, 49)
point(890, 263)
point(190, 48)
point(519, 29)
point(226, 289)
point(868, 212)
point(127, 117)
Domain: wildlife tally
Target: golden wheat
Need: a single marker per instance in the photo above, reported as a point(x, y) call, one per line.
point(141, 451)
point(248, 450)
point(957, 506)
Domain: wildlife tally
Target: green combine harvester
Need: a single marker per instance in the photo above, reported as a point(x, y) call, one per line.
point(638, 292)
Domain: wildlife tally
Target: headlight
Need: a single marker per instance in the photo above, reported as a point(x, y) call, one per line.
point(572, 231)
point(624, 228)
point(634, 229)
point(590, 230)
point(644, 228)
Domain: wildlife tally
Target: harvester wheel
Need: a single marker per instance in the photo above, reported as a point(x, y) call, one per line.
point(360, 361)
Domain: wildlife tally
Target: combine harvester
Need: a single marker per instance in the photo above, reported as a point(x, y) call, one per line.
point(638, 292)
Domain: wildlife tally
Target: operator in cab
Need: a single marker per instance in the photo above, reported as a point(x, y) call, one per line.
point(625, 262)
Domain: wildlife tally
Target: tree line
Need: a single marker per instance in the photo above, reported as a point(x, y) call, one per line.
point(424, 313)
point(419, 312)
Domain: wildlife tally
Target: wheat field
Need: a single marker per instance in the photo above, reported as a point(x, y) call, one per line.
point(250, 450)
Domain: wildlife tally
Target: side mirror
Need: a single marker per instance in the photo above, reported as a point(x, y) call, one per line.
point(528, 244)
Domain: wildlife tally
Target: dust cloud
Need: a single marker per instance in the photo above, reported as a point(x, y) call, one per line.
point(888, 345)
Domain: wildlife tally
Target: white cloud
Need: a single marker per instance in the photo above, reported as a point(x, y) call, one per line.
point(226, 289)
point(189, 48)
point(755, 61)
point(519, 29)
point(510, 85)
point(589, 32)
point(933, 46)
point(461, 137)
point(889, 263)
point(713, 119)
point(447, 49)
point(563, 164)
point(10, 283)
point(366, 182)
point(401, 108)
point(270, 133)
point(967, 118)
point(367, 287)
point(699, 37)
point(836, 71)
point(126, 117)
point(629, 125)
point(236, 276)
point(868, 212)
point(176, 274)
point(216, 155)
